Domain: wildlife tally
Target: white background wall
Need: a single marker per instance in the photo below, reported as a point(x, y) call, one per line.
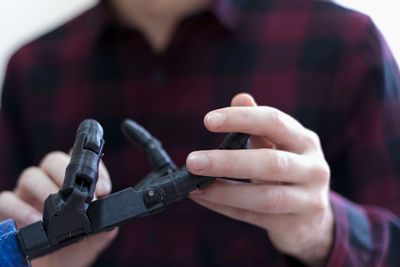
point(386, 14)
point(23, 20)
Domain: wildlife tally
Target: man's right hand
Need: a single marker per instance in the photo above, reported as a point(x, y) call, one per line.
point(25, 205)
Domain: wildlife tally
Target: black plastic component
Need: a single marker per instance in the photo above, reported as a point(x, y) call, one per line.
point(235, 141)
point(142, 139)
point(65, 212)
point(177, 185)
point(33, 239)
point(71, 215)
point(118, 208)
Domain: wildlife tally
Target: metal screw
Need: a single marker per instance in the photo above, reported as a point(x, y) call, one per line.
point(150, 193)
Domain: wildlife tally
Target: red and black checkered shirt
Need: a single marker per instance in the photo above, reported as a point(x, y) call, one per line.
point(325, 65)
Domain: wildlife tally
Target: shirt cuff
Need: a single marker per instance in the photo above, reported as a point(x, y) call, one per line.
point(340, 246)
point(353, 242)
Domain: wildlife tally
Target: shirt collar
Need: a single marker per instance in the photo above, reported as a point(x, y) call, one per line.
point(228, 12)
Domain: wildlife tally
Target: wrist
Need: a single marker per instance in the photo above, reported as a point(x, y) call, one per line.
point(317, 253)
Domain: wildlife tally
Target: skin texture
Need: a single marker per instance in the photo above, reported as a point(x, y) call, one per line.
point(25, 205)
point(288, 196)
point(156, 19)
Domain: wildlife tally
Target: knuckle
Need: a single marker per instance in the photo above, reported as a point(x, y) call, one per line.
point(272, 200)
point(26, 176)
point(278, 163)
point(317, 207)
point(321, 172)
point(318, 204)
point(5, 196)
point(277, 119)
point(311, 138)
point(50, 157)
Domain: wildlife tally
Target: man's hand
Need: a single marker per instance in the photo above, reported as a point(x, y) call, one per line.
point(25, 206)
point(289, 193)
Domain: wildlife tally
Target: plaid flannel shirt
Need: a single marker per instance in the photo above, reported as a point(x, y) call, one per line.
point(325, 65)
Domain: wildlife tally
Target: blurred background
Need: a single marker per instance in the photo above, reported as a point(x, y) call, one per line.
point(23, 20)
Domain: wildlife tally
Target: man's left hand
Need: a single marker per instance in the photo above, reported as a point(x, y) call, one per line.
point(289, 193)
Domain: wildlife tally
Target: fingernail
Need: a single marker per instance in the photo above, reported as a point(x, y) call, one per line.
point(198, 161)
point(34, 217)
point(215, 119)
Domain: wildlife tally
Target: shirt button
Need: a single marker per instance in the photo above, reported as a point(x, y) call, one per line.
point(158, 76)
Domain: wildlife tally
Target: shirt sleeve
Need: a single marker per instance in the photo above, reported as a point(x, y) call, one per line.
point(367, 233)
point(364, 235)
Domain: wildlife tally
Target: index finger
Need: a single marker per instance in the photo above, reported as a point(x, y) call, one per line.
point(283, 130)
